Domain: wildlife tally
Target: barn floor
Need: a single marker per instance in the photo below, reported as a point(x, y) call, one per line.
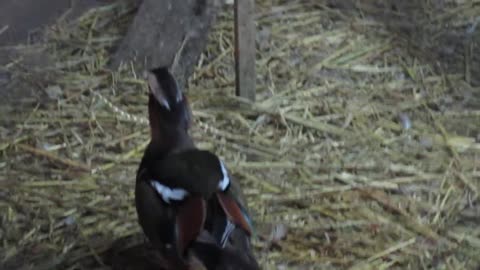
point(362, 151)
point(21, 22)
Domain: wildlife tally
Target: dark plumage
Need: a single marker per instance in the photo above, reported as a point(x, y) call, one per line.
point(183, 193)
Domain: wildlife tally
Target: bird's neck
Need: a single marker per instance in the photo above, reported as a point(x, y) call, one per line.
point(171, 142)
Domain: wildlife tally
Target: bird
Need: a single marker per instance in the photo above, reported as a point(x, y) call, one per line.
point(187, 203)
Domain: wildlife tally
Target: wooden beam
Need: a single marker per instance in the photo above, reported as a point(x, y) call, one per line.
point(160, 29)
point(245, 49)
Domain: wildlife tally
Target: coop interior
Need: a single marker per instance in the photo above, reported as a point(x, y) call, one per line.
point(361, 150)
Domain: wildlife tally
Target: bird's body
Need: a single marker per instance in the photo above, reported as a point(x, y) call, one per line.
point(183, 193)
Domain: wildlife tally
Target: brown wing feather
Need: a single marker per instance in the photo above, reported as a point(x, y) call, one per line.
point(190, 220)
point(233, 211)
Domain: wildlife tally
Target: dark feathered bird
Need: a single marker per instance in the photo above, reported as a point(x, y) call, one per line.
point(183, 192)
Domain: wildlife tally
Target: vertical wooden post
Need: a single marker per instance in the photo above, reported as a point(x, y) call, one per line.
point(245, 49)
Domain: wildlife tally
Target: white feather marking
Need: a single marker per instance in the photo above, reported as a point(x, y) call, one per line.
point(179, 96)
point(167, 193)
point(165, 104)
point(226, 234)
point(223, 184)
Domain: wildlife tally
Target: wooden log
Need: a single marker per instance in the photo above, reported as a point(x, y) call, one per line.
point(158, 31)
point(245, 49)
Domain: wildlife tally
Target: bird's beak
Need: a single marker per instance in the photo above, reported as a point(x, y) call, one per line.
point(190, 221)
point(164, 87)
point(233, 211)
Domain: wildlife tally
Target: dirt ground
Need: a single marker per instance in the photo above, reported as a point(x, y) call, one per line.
point(22, 23)
point(24, 17)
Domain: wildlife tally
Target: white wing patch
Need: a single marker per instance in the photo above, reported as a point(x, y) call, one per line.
point(167, 193)
point(223, 184)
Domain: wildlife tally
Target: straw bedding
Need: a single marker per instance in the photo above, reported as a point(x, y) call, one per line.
point(358, 153)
